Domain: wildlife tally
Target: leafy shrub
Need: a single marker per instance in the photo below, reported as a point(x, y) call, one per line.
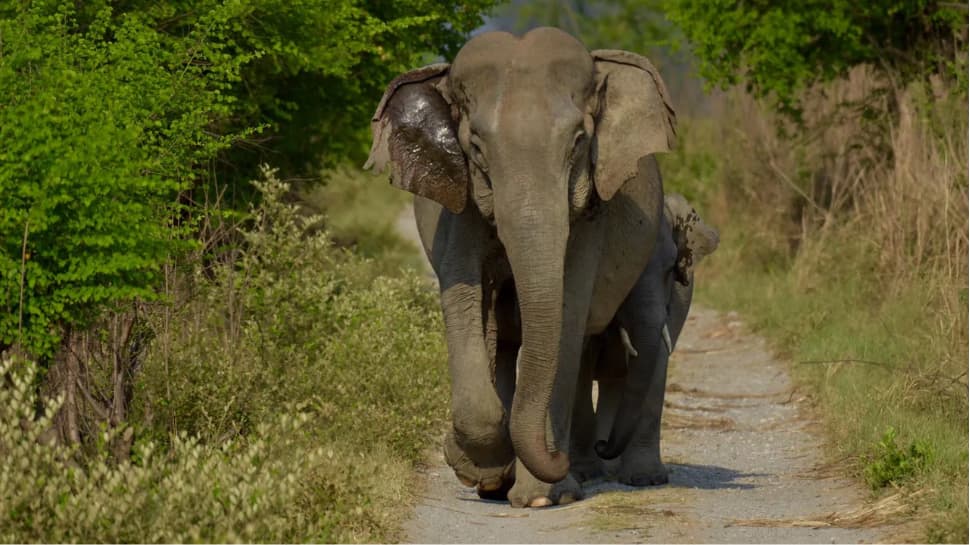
point(257, 489)
point(102, 125)
point(284, 398)
point(892, 465)
point(295, 320)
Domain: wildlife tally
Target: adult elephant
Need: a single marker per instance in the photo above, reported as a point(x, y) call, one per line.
point(538, 204)
point(626, 421)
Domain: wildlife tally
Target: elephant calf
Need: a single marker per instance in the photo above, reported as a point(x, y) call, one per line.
point(631, 385)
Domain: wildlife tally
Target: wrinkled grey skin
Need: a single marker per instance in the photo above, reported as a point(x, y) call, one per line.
point(630, 424)
point(539, 203)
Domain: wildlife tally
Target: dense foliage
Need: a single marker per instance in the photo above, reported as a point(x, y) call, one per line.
point(283, 399)
point(776, 49)
point(779, 48)
point(112, 110)
point(634, 25)
point(103, 122)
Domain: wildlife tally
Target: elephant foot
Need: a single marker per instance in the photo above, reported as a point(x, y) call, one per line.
point(587, 469)
point(489, 480)
point(531, 492)
point(642, 471)
point(499, 494)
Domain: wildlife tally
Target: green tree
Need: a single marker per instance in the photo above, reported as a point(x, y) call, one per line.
point(101, 126)
point(321, 69)
point(113, 112)
point(635, 25)
point(777, 48)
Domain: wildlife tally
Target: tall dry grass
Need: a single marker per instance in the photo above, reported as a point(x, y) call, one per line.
point(845, 239)
point(880, 166)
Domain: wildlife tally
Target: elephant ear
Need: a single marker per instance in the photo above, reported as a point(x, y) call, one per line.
point(635, 117)
point(414, 130)
point(694, 239)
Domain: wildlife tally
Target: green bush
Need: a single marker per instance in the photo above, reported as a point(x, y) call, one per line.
point(285, 397)
point(294, 320)
point(102, 124)
point(118, 118)
point(259, 489)
point(892, 465)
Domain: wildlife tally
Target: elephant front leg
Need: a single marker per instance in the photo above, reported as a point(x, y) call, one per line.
point(528, 490)
point(477, 446)
point(640, 462)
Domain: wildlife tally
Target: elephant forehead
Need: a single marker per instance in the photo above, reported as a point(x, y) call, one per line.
point(543, 58)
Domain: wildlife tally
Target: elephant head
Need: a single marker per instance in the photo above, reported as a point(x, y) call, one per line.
point(694, 240)
point(521, 130)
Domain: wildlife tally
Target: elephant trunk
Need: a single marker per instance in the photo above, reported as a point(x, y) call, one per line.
point(535, 234)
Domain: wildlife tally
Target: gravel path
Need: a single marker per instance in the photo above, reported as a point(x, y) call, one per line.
point(746, 466)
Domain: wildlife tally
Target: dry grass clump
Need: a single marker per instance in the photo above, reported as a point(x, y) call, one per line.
point(889, 510)
point(873, 183)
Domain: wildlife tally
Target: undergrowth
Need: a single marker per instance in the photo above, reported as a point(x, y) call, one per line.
point(288, 388)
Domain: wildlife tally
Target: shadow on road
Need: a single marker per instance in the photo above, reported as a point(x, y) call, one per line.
point(708, 477)
point(703, 477)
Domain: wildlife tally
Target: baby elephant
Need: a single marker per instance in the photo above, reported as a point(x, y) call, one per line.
point(630, 399)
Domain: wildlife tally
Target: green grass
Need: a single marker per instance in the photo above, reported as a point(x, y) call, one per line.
point(876, 356)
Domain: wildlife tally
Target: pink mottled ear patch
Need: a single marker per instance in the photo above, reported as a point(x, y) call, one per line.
point(414, 129)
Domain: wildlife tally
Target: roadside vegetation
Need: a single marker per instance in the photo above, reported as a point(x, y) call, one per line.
point(855, 264)
point(844, 239)
point(284, 395)
point(195, 347)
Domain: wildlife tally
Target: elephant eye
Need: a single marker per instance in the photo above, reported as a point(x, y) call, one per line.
point(477, 156)
point(578, 145)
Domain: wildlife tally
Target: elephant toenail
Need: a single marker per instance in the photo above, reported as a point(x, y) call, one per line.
point(540, 502)
point(490, 485)
point(567, 499)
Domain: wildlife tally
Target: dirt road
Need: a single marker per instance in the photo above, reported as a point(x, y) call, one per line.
point(745, 459)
